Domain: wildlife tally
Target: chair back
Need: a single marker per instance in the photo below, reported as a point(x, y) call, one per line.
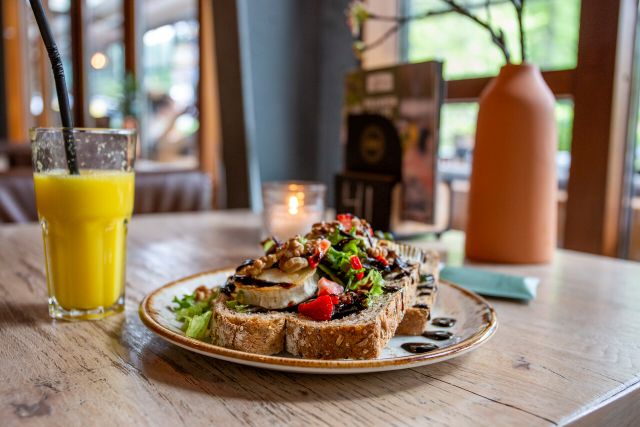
point(155, 192)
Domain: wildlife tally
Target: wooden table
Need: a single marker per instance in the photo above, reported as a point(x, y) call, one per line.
point(572, 354)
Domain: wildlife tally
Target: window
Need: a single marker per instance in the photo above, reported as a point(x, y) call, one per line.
point(104, 49)
point(457, 133)
point(161, 96)
point(43, 100)
point(169, 82)
point(551, 29)
point(552, 40)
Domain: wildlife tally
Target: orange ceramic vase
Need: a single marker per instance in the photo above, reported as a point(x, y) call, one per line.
point(512, 195)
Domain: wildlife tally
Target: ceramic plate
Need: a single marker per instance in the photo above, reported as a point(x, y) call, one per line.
point(475, 323)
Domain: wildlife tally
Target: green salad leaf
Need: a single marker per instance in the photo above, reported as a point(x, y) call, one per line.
point(194, 315)
point(235, 305)
point(198, 326)
point(187, 312)
point(372, 282)
point(335, 237)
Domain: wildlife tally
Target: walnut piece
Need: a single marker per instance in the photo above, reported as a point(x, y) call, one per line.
point(293, 264)
point(203, 293)
point(377, 251)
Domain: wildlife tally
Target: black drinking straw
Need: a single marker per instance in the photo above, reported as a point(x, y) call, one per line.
point(61, 84)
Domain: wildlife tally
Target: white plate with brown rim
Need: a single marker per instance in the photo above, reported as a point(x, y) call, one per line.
point(475, 323)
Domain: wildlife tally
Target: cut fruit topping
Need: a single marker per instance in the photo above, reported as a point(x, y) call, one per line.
point(320, 308)
point(328, 287)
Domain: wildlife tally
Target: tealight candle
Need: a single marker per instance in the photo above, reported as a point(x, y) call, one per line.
point(291, 208)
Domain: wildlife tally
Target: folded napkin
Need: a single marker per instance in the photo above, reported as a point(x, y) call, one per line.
point(492, 284)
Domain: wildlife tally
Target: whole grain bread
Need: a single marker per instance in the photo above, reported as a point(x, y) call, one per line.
point(417, 316)
point(361, 335)
point(260, 333)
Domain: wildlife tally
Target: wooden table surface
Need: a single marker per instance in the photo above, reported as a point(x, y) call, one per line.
point(571, 354)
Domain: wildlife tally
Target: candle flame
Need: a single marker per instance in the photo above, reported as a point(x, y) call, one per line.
point(293, 205)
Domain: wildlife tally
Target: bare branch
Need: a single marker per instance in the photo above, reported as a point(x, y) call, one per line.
point(497, 37)
point(400, 22)
point(523, 48)
point(473, 6)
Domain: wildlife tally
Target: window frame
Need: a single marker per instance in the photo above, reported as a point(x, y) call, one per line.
point(594, 215)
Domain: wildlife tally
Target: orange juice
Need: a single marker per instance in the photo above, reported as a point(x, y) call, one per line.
point(84, 226)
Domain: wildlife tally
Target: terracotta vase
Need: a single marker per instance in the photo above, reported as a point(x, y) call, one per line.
point(512, 195)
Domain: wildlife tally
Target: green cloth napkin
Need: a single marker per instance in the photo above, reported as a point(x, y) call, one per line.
point(492, 284)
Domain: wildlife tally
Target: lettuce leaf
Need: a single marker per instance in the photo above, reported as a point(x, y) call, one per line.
point(195, 309)
point(235, 305)
point(335, 237)
point(198, 326)
point(194, 315)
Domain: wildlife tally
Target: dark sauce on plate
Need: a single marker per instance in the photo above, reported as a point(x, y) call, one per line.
point(443, 322)
point(419, 347)
point(438, 335)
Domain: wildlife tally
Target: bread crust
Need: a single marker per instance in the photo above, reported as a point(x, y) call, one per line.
point(416, 319)
point(362, 335)
point(260, 333)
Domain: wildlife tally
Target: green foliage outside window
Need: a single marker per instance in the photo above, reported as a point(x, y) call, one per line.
point(552, 29)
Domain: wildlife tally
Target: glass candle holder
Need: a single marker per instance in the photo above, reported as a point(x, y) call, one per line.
point(84, 218)
point(292, 207)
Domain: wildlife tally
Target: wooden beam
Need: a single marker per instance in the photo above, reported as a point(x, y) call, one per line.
point(601, 100)
point(208, 101)
point(44, 75)
point(469, 90)
point(4, 105)
point(235, 153)
point(79, 61)
point(15, 70)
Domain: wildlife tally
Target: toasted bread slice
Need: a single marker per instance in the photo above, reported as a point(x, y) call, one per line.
point(260, 333)
point(417, 316)
point(361, 335)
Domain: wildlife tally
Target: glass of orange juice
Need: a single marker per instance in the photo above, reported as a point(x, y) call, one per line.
point(84, 218)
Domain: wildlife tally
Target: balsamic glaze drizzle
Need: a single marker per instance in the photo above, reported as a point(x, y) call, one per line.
point(419, 347)
point(443, 322)
point(438, 335)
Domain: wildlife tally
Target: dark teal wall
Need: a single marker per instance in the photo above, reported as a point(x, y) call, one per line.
point(294, 57)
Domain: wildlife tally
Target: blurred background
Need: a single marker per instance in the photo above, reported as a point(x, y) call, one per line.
point(245, 92)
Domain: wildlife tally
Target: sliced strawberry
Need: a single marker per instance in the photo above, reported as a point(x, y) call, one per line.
point(320, 252)
point(313, 260)
point(382, 260)
point(355, 262)
point(324, 246)
point(360, 275)
point(328, 287)
point(320, 308)
point(345, 220)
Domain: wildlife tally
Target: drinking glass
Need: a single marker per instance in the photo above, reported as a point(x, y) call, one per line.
point(84, 218)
